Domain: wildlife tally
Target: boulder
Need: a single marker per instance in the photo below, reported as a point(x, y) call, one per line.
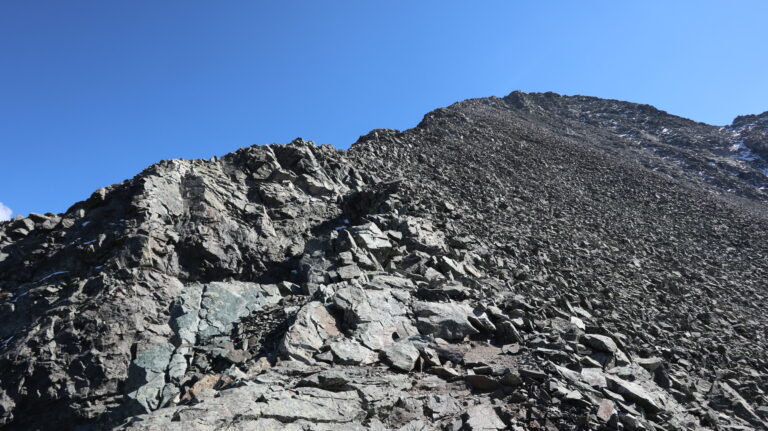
point(601, 343)
point(401, 356)
point(350, 352)
point(482, 417)
point(449, 321)
point(313, 326)
point(375, 317)
point(371, 238)
point(147, 378)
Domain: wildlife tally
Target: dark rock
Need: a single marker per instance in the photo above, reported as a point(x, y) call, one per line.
point(482, 382)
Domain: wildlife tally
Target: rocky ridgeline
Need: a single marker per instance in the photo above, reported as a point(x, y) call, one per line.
point(520, 263)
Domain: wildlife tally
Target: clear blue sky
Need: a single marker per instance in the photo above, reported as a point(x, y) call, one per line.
point(91, 92)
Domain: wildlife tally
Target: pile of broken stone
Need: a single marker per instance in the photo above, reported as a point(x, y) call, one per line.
point(378, 319)
point(394, 329)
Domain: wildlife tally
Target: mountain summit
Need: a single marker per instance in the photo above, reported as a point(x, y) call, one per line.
point(532, 262)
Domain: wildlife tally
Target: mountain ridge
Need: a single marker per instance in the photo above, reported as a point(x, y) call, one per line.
point(530, 261)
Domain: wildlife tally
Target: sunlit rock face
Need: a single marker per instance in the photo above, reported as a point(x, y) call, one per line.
point(528, 262)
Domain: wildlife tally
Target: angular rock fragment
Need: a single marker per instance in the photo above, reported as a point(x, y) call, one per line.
point(600, 343)
point(313, 326)
point(482, 417)
point(371, 238)
point(650, 364)
point(147, 375)
point(401, 356)
point(634, 392)
point(349, 352)
point(448, 321)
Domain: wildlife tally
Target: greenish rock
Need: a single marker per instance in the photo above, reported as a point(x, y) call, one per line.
point(146, 376)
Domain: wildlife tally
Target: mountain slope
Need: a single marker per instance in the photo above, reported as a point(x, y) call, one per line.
point(536, 261)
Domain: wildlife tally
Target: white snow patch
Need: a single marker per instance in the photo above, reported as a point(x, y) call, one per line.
point(85, 223)
point(89, 242)
point(744, 153)
point(8, 340)
point(5, 212)
point(341, 227)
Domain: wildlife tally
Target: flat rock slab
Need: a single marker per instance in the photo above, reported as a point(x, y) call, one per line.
point(444, 320)
point(634, 392)
point(483, 417)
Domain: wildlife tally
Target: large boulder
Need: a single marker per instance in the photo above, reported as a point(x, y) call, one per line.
point(444, 320)
point(374, 317)
point(314, 325)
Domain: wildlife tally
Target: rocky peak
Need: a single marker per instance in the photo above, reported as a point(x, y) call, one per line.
point(759, 121)
point(752, 137)
point(532, 262)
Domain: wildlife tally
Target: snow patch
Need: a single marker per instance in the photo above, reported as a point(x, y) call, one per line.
point(743, 152)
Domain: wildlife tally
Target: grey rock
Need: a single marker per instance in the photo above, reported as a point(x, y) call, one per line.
point(350, 352)
point(722, 391)
point(650, 364)
point(313, 405)
point(594, 377)
point(371, 238)
point(147, 376)
point(601, 343)
point(448, 321)
point(483, 417)
point(606, 410)
point(373, 316)
point(401, 356)
point(634, 392)
point(313, 326)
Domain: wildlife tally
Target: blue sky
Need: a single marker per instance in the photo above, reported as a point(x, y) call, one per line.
point(92, 92)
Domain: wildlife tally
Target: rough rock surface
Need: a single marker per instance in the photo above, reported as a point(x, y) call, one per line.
point(535, 262)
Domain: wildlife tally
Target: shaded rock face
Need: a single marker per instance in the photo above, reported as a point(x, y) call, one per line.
point(532, 262)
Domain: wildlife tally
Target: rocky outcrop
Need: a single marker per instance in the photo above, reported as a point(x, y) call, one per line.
point(515, 263)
